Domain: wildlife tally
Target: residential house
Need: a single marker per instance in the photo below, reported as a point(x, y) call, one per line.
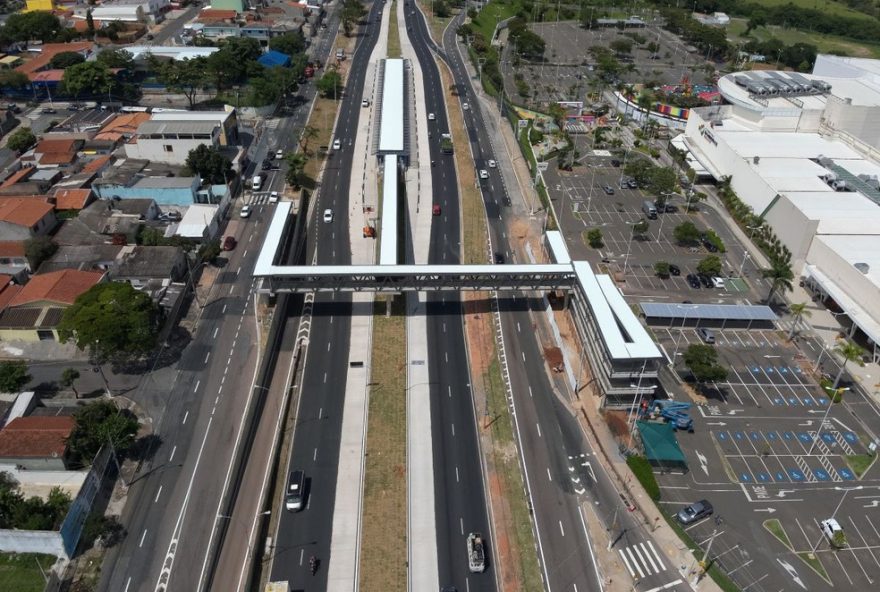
point(236, 6)
point(171, 141)
point(73, 200)
point(45, 53)
point(54, 153)
point(108, 222)
point(33, 5)
point(24, 218)
point(82, 258)
point(130, 13)
point(13, 261)
point(34, 312)
point(259, 30)
point(218, 24)
point(137, 265)
point(36, 443)
point(122, 127)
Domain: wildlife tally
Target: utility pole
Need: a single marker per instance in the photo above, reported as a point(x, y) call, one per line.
point(613, 526)
point(704, 564)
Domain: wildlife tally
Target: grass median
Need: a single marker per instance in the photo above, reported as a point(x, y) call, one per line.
point(393, 33)
point(383, 562)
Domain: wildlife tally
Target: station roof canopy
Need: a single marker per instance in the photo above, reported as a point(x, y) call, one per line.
point(718, 312)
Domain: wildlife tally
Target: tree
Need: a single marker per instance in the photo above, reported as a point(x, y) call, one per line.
point(38, 249)
point(13, 376)
point(89, 78)
point(710, 265)
point(97, 425)
point(113, 321)
point(330, 84)
point(441, 9)
point(757, 19)
point(186, 77)
point(621, 45)
point(594, 238)
point(798, 311)
point(780, 276)
point(662, 180)
point(66, 59)
point(352, 12)
point(661, 268)
point(116, 58)
point(13, 79)
point(210, 164)
point(90, 23)
point(292, 43)
point(686, 233)
point(702, 360)
point(850, 352)
point(234, 61)
point(296, 164)
point(309, 133)
point(21, 139)
point(68, 377)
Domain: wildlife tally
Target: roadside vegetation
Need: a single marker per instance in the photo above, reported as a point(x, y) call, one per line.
point(384, 565)
point(393, 33)
point(23, 572)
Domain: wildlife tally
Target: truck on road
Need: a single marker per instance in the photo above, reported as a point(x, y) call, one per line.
point(446, 143)
point(476, 553)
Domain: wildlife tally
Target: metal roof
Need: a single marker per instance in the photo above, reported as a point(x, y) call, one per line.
point(557, 247)
point(177, 127)
point(388, 244)
point(726, 312)
point(393, 105)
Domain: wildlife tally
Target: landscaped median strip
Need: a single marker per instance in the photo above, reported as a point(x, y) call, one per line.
point(393, 33)
point(383, 556)
point(774, 527)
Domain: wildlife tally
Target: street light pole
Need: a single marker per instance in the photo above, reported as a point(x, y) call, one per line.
point(845, 491)
point(834, 392)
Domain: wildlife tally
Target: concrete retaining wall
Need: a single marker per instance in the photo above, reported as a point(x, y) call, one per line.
point(32, 541)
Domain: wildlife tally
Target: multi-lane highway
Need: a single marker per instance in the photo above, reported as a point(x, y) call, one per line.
point(460, 503)
point(315, 447)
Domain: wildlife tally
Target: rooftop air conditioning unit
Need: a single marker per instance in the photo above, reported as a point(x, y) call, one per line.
point(863, 267)
point(756, 159)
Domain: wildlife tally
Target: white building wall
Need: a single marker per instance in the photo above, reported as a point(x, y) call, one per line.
point(849, 279)
point(860, 121)
point(793, 229)
point(155, 150)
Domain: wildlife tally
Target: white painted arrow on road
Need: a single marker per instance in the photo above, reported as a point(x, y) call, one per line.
point(808, 423)
point(792, 572)
point(703, 462)
point(816, 411)
point(734, 411)
point(768, 510)
point(768, 356)
point(718, 423)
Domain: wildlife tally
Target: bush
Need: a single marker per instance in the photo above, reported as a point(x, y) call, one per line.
point(594, 237)
point(713, 238)
point(643, 471)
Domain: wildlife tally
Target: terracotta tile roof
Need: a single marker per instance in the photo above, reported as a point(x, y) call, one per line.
point(46, 76)
point(58, 286)
point(61, 145)
point(8, 290)
point(36, 437)
point(94, 166)
point(72, 199)
point(50, 50)
point(215, 14)
point(122, 125)
point(19, 175)
point(11, 249)
point(57, 157)
point(23, 212)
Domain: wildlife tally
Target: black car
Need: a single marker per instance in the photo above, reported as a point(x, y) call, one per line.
point(671, 209)
point(499, 258)
point(674, 269)
point(267, 165)
point(608, 189)
point(615, 162)
point(710, 246)
point(705, 280)
point(632, 184)
point(693, 281)
point(695, 511)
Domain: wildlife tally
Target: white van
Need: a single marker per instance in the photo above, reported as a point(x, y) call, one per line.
point(257, 182)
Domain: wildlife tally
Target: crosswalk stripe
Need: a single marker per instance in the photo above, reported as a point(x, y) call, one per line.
point(644, 563)
point(626, 562)
point(636, 563)
point(648, 557)
point(657, 555)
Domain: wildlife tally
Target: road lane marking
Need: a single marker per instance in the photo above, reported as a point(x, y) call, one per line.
point(561, 529)
point(127, 583)
point(198, 382)
point(636, 563)
point(530, 391)
point(537, 425)
point(461, 524)
point(453, 430)
point(665, 586)
point(656, 555)
point(626, 562)
point(216, 330)
point(143, 536)
point(158, 493)
point(548, 474)
point(173, 450)
point(184, 417)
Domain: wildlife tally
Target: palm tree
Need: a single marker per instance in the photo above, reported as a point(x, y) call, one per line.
point(780, 276)
point(798, 310)
point(850, 352)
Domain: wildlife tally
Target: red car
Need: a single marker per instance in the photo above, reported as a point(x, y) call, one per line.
point(436, 209)
point(229, 243)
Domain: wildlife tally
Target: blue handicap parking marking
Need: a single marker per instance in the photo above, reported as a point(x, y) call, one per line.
point(823, 401)
point(788, 435)
point(795, 475)
point(755, 436)
point(850, 437)
point(846, 474)
point(744, 477)
point(804, 437)
point(769, 370)
point(821, 475)
point(772, 436)
point(808, 401)
point(722, 435)
point(827, 437)
point(780, 476)
point(794, 401)
point(763, 477)
point(738, 435)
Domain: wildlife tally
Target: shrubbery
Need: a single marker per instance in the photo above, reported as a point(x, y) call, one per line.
point(643, 471)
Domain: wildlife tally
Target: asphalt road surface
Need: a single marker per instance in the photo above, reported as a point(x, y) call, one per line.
point(460, 501)
point(319, 417)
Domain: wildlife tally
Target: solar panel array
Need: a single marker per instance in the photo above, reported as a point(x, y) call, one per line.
point(725, 312)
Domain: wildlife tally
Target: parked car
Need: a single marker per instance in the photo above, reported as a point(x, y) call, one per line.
point(707, 335)
point(705, 280)
point(328, 216)
point(710, 246)
point(365, 103)
point(274, 197)
point(694, 512)
point(484, 174)
point(830, 528)
point(492, 164)
point(693, 281)
point(279, 153)
point(48, 111)
point(229, 243)
point(717, 282)
point(608, 189)
point(431, 117)
point(615, 162)
point(632, 184)
point(267, 165)
point(337, 144)
point(670, 209)
point(465, 106)
point(674, 269)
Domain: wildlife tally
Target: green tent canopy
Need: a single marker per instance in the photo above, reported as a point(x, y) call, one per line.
point(661, 445)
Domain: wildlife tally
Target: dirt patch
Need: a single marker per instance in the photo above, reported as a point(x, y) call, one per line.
point(617, 423)
point(481, 343)
point(553, 355)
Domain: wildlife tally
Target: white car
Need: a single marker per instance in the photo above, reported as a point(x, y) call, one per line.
point(492, 164)
point(431, 117)
point(484, 174)
point(279, 154)
point(717, 282)
point(337, 144)
point(245, 212)
point(274, 197)
point(465, 106)
point(328, 216)
point(365, 103)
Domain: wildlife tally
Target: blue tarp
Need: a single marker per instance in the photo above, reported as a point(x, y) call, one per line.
point(273, 58)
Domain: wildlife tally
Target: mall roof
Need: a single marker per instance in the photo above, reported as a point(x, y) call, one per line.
point(388, 246)
point(838, 212)
point(794, 145)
